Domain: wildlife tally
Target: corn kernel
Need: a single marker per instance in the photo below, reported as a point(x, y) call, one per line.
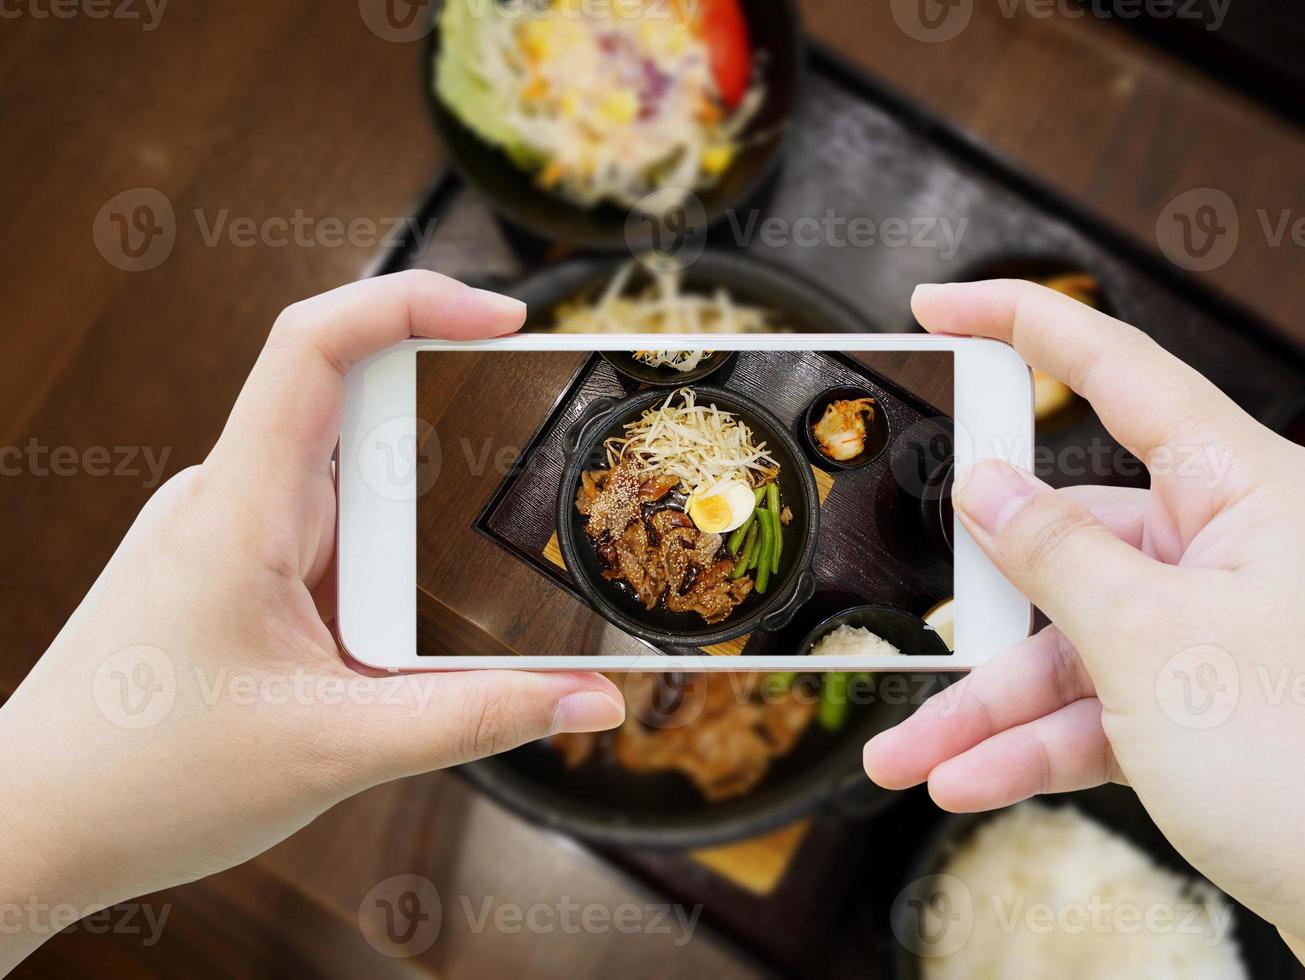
point(620, 106)
point(535, 41)
point(717, 159)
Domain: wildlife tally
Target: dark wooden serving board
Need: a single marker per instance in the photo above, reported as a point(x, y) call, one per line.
point(872, 546)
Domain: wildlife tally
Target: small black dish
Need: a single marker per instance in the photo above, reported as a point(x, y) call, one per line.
point(662, 377)
point(779, 52)
point(908, 632)
point(878, 431)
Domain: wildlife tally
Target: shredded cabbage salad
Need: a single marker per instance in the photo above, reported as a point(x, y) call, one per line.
point(604, 100)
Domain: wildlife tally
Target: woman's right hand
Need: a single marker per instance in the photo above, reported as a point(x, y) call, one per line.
point(1176, 662)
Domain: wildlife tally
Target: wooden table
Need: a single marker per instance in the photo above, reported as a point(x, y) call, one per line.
point(296, 111)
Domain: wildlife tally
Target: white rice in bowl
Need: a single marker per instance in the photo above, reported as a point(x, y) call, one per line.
point(1040, 892)
point(853, 641)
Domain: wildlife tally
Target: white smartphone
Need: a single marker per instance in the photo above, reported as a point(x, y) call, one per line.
point(675, 503)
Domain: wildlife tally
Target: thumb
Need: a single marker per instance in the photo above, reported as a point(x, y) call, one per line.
point(439, 720)
point(1050, 547)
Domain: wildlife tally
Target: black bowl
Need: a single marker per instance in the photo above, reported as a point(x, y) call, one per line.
point(779, 50)
point(1118, 809)
point(664, 377)
point(789, 589)
point(903, 630)
point(800, 305)
point(878, 433)
point(610, 806)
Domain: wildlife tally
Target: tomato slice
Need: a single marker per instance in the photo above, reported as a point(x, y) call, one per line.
point(725, 30)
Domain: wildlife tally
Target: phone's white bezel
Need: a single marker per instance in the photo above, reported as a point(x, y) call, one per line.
point(377, 523)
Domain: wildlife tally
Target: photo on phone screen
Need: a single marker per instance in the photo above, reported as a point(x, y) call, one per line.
point(732, 503)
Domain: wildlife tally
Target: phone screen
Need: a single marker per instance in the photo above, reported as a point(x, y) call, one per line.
point(730, 503)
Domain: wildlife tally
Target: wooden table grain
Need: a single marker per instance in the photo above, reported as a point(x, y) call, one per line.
point(296, 113)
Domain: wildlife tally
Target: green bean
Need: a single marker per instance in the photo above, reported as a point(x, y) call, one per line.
point(749, 549)
point(736, 539)
point(772, 503)
point(760, 494)
point(833, 708)
point(766, 553)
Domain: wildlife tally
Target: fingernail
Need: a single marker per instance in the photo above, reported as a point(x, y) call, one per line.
point(990, 494)
point(507, 306)
point(587, 711)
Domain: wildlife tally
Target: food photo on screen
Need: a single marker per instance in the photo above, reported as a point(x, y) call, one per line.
point(732, 503)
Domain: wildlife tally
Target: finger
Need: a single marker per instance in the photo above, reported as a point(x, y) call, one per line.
point(1146, 397)
point(1030, 680)
point(1065, 751)
point(288, 414)
point(1052, 549)
point(439, 720)
point(1122, 510)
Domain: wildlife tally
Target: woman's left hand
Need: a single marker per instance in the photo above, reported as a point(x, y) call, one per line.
point(195, 709)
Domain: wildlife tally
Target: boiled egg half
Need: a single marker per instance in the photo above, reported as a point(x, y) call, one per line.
point(721, 508)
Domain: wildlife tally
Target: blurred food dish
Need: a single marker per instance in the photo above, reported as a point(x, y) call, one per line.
point(1083, 880)
point(722, 731)
point(1051, 396)
point(603, 101)
point(569, 113)
point(722, 292)
point(662, 305)
point(701, 759)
